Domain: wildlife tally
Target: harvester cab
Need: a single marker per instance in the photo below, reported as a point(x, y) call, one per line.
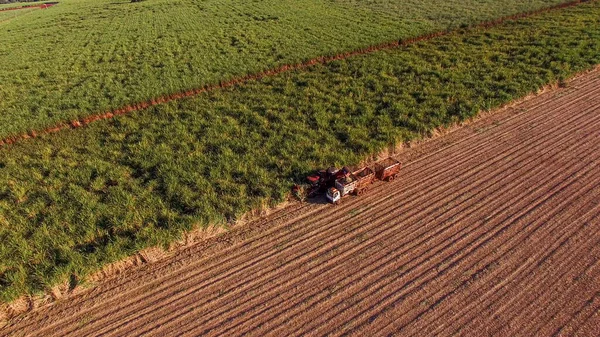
point(321, 180)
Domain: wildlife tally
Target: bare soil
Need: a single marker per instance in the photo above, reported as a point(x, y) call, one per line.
point(492, 229)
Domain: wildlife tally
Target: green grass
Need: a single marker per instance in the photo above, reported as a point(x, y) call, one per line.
point(74, 201)
point(87, 56)
point(7, 16)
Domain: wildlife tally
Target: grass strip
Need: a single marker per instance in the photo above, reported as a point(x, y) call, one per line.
point(74, 201)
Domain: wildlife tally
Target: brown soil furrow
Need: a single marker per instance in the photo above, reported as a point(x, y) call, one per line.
point(591, 325)
point(389, 300)
point(566, 273)
point(491, 274)
point(281, 310)
point(482, 272)
point(510, 301)
point(545, 286)
point(548, 316)
point(475, 296)
point(594, 86)
point(484, 305)
point(589, 308)
point(484, 229)
point(81, 122)
point(479, 290)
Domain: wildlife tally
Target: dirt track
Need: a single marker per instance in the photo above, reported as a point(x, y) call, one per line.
point(493, 229)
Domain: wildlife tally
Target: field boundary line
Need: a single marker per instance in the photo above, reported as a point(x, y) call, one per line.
point(83, 121)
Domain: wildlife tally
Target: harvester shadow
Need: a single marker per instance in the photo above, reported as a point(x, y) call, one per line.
point(318, 200)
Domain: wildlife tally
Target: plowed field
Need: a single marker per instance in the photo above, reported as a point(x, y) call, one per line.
point(493, 229)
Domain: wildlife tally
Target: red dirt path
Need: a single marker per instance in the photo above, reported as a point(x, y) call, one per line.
point(493, 229)
point(77, 123)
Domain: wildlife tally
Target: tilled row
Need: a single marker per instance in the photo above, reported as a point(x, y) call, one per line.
point(487, 273)
point(479, 295)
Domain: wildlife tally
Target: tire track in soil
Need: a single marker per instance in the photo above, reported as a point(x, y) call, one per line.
point(235, 81)
point(591, 325)
point(567, 272)
point(275, 334)
point(157, 323)
point(546, 287)
point(580, 317)
point(516, 271)
point(550, 318)
point(511, 194)
point(461, 314)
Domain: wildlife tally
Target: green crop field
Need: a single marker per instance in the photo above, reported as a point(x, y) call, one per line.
point(74, 201)
point(87, 56)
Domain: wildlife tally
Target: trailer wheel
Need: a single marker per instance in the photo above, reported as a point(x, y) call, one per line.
point(359, 192)
point(390, 178)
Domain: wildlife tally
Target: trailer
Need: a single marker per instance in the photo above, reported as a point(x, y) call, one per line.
point(388, 169)
point(365, 177)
